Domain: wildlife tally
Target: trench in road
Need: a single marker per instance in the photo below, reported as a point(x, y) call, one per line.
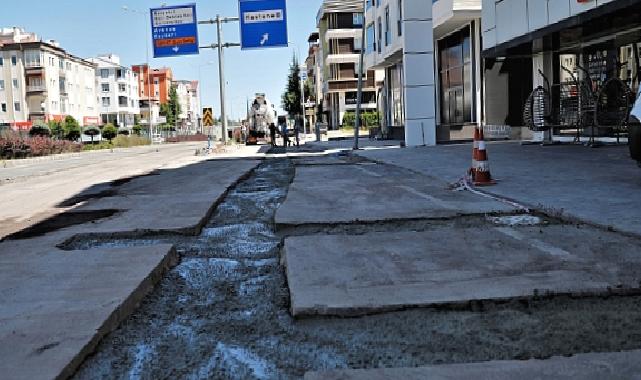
point(223, 312)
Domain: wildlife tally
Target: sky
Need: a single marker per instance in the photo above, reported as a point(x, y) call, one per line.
point(86, 28)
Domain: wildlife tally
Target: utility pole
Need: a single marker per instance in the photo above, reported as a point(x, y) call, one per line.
point(221, 64)
point(359, 95)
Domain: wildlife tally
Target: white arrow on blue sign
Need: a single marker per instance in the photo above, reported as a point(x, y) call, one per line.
point(174, 30)
point(263, 23)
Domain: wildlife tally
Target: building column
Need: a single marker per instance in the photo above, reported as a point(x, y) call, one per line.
point(418, 73)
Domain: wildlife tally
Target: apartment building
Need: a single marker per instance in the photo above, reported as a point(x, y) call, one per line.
point(314, 76)
point(339, 24)
point(399, 41)
point(154, 86)
point(190, 117)
point(117, 91)
point(595, 39)
point(41, 81)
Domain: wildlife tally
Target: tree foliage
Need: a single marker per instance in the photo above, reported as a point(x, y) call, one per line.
point(40, 129)
point(368, 119)
point(71, 128)
point(91, 132)
point(56, 129)
point(172, 109)
point(109, 131)
point(137, 130)
point(291, 98)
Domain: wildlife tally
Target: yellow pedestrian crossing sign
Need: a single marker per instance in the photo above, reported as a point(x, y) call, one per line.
point(208, 117)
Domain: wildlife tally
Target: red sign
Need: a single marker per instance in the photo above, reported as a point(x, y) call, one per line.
point(21, 125)
point(91, 120)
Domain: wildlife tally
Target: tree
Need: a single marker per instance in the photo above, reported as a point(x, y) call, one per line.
point(92, 132)
point(40, 129)
point(71, 128)
point(171, 110)
point(56, 129)
point(310, 92)
point(109, 131)
point(137, 130)
point(291, 99)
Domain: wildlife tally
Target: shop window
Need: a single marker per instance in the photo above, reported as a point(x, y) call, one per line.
point(455, 78)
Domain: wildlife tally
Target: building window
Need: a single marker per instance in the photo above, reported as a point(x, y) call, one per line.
point(388, 33)
point(32, 58)
point(104, 73)
point(122, 87)
point(1, 85)
point(455, 78)
point(358, 19)
point(399, 22)
point(14, 60)
point(106, 102)
point(61, 64)
point(4, 107)
point(370, 38)
point(379, 37)
point(1, 61)
point(15, 83)
point(16, 106)
point(105, 87)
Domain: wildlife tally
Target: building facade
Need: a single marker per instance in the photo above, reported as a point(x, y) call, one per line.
point(154, 86)
point(526, 42)
point(190, 117)
point(40, 81)
point(399, 41)
point(339, 25)
point(314, 71)
point(117, 87)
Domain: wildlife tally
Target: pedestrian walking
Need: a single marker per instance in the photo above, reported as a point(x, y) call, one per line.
point(297, 127)
point(272, 134)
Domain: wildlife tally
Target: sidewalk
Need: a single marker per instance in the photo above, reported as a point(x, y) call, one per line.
point(597, 185)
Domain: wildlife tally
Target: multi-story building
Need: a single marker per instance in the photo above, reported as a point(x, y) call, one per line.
point(153, 90)
point(41, 81)
point(339, 24)
point(399, 40)
point(118, 96)
point(598, 39)
point(190, 116)
point(314, 77)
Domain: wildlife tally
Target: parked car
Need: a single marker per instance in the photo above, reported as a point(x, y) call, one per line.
point(634, 130)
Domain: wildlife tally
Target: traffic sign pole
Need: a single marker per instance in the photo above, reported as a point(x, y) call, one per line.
point(221, 75)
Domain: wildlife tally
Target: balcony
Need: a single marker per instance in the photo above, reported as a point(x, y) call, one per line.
point(341, 58)
point(35, 89)
point(342, 33)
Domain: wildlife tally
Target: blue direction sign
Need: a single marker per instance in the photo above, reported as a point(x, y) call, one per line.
point(174, 30)
point(263, 23)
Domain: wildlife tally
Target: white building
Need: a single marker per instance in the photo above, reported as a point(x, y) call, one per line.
point(41, 81)
point(339, 24)
point(399, 40)
point(190, 115)
point(598, 39)
point(117, 91)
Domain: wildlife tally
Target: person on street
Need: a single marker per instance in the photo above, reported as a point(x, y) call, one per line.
point(272, 134)
point(297, 127)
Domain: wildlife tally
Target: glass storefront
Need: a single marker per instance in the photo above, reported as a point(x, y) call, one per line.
point(456, 78)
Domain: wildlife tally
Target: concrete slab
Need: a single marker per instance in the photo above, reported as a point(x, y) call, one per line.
point(599, 185)
point(596, 366)
point(375, 272)
point(55, 306)
point(370, 192)
point(175, 200)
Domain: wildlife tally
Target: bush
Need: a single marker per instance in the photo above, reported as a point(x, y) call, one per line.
point(56, 129)
point(109, 131)
point(40, 129)
point(123, 132)
point(368, 119)
point(13, 145)
point(349, 119)
point(120, 141)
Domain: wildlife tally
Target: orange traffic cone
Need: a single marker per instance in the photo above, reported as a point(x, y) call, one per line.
point(480, 166)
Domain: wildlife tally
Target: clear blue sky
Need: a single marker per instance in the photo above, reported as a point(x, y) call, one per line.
point(87, 28)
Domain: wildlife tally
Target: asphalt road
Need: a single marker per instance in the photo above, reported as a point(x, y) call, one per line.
point(31, 190)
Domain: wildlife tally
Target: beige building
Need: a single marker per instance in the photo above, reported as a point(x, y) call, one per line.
point(41, 81)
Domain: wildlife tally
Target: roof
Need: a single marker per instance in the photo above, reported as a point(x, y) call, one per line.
point(339, 6)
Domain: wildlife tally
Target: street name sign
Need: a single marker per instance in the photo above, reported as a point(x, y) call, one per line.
point(174, 30)
point(263, 23)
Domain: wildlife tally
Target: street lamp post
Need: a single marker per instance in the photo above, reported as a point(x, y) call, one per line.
point(148, 89)
point(359, 94)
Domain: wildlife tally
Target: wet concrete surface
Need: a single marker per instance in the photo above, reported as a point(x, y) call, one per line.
point(223, 313)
